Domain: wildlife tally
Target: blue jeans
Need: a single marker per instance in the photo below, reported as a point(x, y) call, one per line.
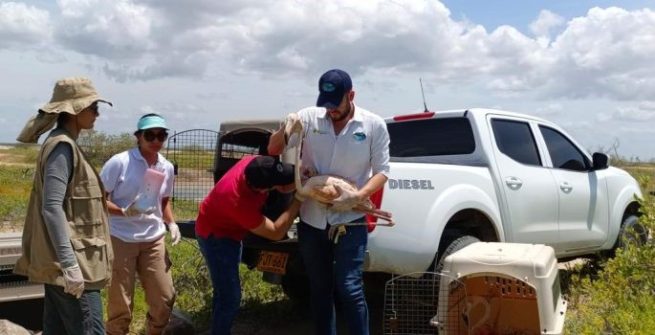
point(335, 268)
point(65, 314)
point(222, 256)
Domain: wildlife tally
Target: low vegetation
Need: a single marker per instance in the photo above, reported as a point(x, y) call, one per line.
point(617, 296)
point(15, 187)
point(606, 296)
point(190, 275)
point(16, 176)
point(99, 147)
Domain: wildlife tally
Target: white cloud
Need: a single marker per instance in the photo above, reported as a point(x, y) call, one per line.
point(549, 110)
point(643, 113)
point(226, 57)
point(114, 30)
point(546, 21)
point(603, 117)
point(647, 106)
point(22, 25)
point(606, 53)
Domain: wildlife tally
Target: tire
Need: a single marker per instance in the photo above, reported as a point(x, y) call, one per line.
point(631, 232)
point(26, 313)
point(296, 287)
point(454, 245)
point(374, 287)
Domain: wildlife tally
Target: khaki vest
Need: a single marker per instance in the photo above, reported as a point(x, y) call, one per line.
point(86, 211)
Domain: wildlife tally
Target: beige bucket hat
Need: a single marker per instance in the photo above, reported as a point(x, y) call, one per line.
point(70, 95)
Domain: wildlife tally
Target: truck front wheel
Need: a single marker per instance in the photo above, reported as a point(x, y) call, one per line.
point(631, 232)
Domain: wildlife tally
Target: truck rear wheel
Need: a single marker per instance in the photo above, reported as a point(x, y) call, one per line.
point(453, 246)
point(296, 287)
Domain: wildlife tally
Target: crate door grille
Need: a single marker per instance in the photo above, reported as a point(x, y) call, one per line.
point(411, 305)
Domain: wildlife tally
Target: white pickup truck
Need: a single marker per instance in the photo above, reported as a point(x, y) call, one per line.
point(21, 302)
point(495, 176)
point(461, 176)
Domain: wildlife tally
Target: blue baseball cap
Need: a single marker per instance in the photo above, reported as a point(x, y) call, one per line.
point(332, 86)
point(150, 121)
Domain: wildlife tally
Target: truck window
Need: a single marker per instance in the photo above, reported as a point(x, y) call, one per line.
point(562, 152)
point(515, 140)
point(431, 137)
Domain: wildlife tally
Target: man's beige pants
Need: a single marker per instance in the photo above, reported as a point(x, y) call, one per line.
point(150, 260)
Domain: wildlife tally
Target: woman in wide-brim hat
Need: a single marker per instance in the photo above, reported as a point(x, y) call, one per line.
point(66, 234)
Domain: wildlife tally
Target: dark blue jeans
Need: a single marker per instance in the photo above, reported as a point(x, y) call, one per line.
point(335, 269)
point(222, 256)
point(65, 314)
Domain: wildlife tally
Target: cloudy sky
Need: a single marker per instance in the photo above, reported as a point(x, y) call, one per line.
point(586, 65)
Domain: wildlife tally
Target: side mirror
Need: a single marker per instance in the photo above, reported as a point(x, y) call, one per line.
point(600, 161)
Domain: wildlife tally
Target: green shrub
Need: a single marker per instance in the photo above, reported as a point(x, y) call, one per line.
point(612, 297)
point(15, 187)
point(99, 147)
point(194, 290)
point(190, 277)
point(620, 297)
point(191, 280)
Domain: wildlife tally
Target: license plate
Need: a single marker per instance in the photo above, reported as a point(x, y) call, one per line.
point(275, 262)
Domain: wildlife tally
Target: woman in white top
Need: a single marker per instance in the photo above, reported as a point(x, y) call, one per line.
point(138, 229)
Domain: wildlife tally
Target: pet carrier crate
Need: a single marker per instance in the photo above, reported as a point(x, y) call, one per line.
point(510, 288)
point(411, 304)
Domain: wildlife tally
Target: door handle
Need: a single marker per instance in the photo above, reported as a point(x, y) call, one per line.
point(566, 187)
point(513, 183)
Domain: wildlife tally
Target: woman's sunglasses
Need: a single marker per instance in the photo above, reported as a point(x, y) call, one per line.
point(150, 136)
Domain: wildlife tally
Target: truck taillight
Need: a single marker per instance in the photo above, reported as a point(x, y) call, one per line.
point(416, 116)
point(376, 198)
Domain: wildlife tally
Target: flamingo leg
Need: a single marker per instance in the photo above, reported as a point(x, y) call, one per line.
point(380, 214)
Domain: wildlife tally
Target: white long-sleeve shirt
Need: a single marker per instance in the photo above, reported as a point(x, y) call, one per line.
point(358, 152)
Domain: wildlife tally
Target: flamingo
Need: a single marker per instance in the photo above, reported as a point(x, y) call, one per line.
point(326, 188)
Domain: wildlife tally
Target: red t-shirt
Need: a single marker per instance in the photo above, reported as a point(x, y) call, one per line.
point(232, 208)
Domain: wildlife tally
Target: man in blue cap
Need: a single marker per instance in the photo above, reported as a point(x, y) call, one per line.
point(345, 140)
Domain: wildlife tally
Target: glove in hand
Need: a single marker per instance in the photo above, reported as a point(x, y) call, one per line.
point(174, 230)
point(73, 281)
point(292, 125)
point(134, 210)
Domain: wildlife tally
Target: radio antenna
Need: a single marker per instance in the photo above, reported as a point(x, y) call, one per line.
point(425, 106)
